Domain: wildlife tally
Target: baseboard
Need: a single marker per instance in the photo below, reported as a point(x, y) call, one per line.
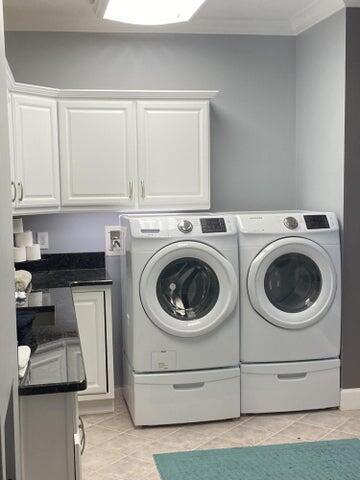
point(95, 407)
point(350, 399)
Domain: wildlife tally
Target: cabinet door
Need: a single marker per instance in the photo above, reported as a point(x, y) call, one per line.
point(36, 151)
point(98, 152)
point(11, 153)
point(90, 314)
point(174, 154)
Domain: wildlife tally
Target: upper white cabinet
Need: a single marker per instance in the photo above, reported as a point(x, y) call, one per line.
point(98, 152)
point(173, 154)
point(34, 132)
point(116, 150)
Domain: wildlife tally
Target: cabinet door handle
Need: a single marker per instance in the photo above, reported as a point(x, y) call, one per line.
point(142, 189)
point(20, 185)
point(83, 435)
point(13, 186)
point(131, 189)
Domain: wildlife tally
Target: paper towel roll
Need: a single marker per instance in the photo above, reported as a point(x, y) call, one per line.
point(33, 252)
point(19, 254)
point(18, 225)
point(24, 239)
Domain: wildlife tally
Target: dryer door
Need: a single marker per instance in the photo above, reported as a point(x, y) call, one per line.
point(188, 289)
point(292, 283)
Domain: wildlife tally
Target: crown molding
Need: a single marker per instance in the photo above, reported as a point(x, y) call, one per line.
point(304, 19)
point(352, 3)
point(314, 13)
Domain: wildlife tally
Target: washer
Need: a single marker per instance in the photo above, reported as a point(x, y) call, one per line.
point(181, 318)
point(290, 296)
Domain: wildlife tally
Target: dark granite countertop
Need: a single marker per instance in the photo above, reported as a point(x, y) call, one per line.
point(56, 362)
point(47, 322)
point(70, 278)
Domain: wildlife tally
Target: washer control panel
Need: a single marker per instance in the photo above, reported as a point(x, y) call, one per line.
point(315, 222)
point(213, 225)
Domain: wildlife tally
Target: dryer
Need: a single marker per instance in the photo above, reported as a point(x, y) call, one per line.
point(290, 296)
point(181, 318)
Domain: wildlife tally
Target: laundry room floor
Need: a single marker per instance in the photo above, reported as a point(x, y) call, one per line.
point(116, 450)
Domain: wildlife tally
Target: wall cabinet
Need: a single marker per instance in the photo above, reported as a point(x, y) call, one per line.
point(35, 151)
point(74, 150)
point(173, 153)
point(93, 313)
point(98, 152)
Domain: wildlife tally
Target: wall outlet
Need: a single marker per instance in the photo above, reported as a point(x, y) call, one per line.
point(114, 240)
point(43, 240)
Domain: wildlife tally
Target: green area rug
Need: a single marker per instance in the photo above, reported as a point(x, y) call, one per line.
point(332, 460)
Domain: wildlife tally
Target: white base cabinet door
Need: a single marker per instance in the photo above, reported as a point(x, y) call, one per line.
point(93, 313)
point(98, 152)
point(50, 437)
point(36, 151)
point(174, 154)
point(90, 314)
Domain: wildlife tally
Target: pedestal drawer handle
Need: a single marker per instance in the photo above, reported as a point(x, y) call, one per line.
point(292, 376)
point(188, 386)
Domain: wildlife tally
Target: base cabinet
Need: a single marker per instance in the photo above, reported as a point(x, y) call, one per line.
point(93, 313)
point(50, 438)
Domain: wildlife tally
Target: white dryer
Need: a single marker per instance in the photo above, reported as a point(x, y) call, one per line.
point(181, 318)
point(290, 296)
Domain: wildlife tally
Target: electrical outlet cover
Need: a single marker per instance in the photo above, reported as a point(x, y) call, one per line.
point(43, 240)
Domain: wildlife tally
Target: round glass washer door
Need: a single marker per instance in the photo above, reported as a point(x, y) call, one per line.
point(292, 283)
point(188, 289)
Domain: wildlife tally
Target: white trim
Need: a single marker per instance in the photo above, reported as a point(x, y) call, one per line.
point(9, 75)
point(28, 89)
point(350, 399)
point(352, 3)
point(305, 18)
point(140, 94)
point(314, 13)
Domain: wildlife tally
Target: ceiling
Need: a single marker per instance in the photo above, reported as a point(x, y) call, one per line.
point(272, 17)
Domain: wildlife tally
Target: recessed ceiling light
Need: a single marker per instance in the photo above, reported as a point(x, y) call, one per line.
point(151, 12)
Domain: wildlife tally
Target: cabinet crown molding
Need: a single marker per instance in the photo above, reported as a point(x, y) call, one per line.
point(57, 93)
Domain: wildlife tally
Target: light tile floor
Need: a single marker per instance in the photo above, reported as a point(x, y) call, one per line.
point(116, 450)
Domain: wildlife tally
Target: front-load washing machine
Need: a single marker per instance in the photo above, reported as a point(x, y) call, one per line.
point(181, 318)
point(290, 299)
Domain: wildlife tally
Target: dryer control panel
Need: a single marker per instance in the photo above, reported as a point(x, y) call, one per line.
point(315, 222)
point(288, 223)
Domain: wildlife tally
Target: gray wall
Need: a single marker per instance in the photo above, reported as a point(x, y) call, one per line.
point(320, 115)
point(253, 117)
point(8, 342)
point(351, 236)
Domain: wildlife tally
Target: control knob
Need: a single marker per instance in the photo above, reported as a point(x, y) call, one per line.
point(291, 223)
point(185, 226)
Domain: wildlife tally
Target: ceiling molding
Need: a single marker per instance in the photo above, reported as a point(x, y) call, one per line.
point(305, 18)
point(317, 11)
point(352, 3)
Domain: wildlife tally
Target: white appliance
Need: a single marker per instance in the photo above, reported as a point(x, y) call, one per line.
point(290, 297)
point(181, 318)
